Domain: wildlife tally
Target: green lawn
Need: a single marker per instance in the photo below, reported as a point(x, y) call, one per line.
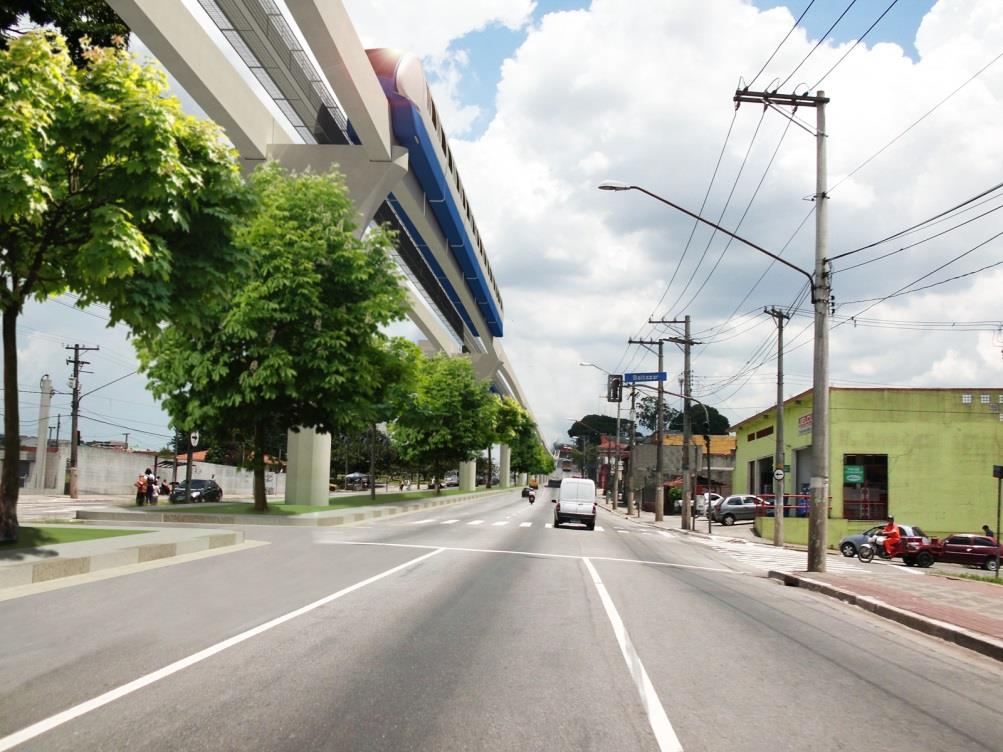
point(335, 502)
point(35, 537)
point(992, 579)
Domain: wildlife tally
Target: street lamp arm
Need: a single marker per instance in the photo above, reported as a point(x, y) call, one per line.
point(611, 186)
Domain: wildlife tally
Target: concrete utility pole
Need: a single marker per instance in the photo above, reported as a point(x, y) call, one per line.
point(778, 458)
point(630, 469)
point(75, 385)
point(821, 298)
point(42, 442)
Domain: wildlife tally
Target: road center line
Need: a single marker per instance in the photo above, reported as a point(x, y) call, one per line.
point(39, 728)
point(665, 735)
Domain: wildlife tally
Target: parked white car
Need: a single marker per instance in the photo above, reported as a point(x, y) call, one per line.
point(576, 502)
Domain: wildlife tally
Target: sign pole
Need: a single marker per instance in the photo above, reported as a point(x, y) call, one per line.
point(998, 472)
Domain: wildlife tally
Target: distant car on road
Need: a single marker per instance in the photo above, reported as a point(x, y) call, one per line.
point(731, 509)
point(698, 505)
point(202, 491)
point(850, 544)
point(971, 549)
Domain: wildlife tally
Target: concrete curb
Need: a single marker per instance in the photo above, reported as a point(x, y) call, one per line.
point(108, 553)
point(309, 519)
point(966, 638)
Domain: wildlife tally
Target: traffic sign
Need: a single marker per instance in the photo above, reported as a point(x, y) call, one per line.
point(778, 474)
point(631, 378)
point(194, 438)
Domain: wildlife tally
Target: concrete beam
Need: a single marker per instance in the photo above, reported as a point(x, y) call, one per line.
point(183, 46)
point(329, 31)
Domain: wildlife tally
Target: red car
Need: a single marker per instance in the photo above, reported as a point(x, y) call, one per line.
point(970, 549)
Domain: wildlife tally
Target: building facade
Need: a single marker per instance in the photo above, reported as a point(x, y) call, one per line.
point(923, 455)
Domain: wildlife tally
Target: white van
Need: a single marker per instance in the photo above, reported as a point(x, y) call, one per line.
point(576, 502)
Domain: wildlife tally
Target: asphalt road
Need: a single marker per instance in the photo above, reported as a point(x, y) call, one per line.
point(476, 627)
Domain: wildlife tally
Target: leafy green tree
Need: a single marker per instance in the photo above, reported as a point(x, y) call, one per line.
point(592, 427)
point(108, 189)
point(449, 420)
point(297, 341)
point(83, 23)
point(718, 423)
point(647, 412)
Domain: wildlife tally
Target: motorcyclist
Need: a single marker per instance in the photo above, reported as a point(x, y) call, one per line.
point(531, 496)
point(892, 536)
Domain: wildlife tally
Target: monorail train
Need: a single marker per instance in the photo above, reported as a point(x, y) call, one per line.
point(416, 125)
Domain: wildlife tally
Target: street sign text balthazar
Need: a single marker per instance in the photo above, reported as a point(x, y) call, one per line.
point(631, 378)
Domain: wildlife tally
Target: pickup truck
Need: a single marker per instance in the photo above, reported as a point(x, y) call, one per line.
point(576, 502)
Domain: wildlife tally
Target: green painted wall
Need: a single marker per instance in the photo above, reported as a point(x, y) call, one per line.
point(940, 451)
point(796, 529)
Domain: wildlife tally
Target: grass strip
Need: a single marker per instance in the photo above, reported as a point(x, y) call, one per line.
point(991, 579)
point(36, 537)
point(335, 502)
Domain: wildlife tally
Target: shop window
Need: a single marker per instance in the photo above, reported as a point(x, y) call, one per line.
point(865, 486)
point(984, 399)
point(966, 399)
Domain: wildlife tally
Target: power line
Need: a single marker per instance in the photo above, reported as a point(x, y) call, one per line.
point(903, 291)
point(923, 117)
point(858, 41)
point(782, 42)
point(817, 45)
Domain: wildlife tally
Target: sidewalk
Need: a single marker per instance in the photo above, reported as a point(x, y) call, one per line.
point(965, 612)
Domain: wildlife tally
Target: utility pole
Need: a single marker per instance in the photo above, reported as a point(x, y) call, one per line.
point(821, 298)
point(630, 469)
point(42, 449)
point(659, 488)
point(75, 385)
point(778, 457)
point(126, 441)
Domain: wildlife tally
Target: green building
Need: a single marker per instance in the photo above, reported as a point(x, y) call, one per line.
point(924, 456)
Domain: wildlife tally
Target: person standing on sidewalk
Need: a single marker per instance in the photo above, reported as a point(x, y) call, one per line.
point(140, 485)
point(151, 487)
point(988, 531)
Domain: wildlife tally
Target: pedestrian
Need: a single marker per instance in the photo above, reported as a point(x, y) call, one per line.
point(988, 531)
point(140, 485)
point(151, 487)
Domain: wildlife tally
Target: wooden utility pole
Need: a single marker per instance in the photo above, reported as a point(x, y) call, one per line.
point(75, 409)
point(778, 457)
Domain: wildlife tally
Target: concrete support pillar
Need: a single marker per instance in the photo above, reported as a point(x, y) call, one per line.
point(504, 465)
point(468, 475)
point(523, 479)
point(309, 468)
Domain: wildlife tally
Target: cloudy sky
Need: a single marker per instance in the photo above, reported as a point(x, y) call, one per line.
point(544, 100)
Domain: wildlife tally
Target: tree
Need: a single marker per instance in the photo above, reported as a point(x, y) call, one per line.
point(296, 342)
point(108, 189)
point(647, 412)
point(82, 23)
point(449, 420)
point(718, 423)
point(592, 427)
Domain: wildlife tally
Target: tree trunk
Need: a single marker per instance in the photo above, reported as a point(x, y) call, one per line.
point(260, 502)
point(487, 474)
point(10, 482)
point(372, 462)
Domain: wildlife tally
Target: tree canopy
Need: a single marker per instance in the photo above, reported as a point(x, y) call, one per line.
point(647, 412)
point(82, 23)
point(450, 419)
point(718, 423)
point(293, 338)
point(107, 189)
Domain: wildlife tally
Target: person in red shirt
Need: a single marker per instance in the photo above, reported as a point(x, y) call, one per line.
point(892, 536)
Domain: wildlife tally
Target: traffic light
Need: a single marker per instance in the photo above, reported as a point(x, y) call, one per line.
point(614, 388)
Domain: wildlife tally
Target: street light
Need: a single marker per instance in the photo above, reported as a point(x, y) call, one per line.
point(820, 375)
point(616, 467)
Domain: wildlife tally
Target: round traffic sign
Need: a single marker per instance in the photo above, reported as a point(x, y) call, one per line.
point(778, 474)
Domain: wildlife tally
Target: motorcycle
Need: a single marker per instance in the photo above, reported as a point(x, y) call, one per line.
point(875, 545)
point(531, 496)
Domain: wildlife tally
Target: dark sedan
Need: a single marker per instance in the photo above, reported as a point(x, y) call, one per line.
point(969, 549)
point(202, 491)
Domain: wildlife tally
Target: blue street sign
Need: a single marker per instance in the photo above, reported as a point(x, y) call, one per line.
point(631, 378)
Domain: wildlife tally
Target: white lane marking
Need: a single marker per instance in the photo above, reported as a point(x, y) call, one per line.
point(37, 729)
point(549, 524)
point(525, 524)
point(502, 522)
point(423, 522)
point(621, 530)
point(665, 735)
point(600, 528)
point(476, 522)
point(540, 555)
point(449, 522)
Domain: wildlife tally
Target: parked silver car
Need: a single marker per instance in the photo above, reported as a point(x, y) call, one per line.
point(850, 544)
point(732, 509)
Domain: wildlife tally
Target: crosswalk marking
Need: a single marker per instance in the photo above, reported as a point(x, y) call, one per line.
point(525, 524)
point(549, 525)
point(600, 529)
point(500, 522)
point(449, 522)
point(621, 530)
point(476, 522)
point(422, 522)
